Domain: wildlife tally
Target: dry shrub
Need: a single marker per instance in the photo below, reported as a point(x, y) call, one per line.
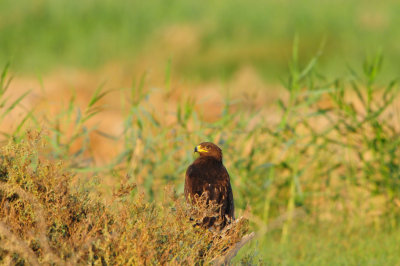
point(44, 219)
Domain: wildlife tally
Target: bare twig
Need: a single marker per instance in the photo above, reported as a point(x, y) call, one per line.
point(224, 260)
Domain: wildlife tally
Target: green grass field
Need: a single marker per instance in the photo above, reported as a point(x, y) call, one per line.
point(329, 245)
point(314, 162)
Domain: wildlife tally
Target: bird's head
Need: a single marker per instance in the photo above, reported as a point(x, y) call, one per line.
point(209, 149)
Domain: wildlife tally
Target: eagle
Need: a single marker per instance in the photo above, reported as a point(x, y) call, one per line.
point(208, 177)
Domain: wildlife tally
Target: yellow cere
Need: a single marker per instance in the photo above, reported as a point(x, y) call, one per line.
point(201, 149)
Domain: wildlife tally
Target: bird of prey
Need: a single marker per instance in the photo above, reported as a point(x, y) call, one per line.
point(208, 176)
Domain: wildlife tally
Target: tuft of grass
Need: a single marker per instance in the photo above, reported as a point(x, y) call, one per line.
point(6, 107)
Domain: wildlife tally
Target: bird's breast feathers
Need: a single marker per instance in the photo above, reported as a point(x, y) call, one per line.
point(207, 174)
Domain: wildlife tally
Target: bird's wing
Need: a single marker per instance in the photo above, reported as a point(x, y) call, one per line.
point(230, 207)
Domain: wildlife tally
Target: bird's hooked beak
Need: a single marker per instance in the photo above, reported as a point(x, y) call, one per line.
point(199, 149)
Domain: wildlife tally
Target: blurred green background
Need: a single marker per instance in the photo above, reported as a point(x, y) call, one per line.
point(205, 39)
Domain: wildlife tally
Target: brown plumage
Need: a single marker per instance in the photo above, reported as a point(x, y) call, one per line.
point(208, 175)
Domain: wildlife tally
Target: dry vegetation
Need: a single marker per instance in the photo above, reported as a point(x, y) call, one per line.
point(44, 219)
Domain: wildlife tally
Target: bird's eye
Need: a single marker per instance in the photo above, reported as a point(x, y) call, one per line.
point(208, 147)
